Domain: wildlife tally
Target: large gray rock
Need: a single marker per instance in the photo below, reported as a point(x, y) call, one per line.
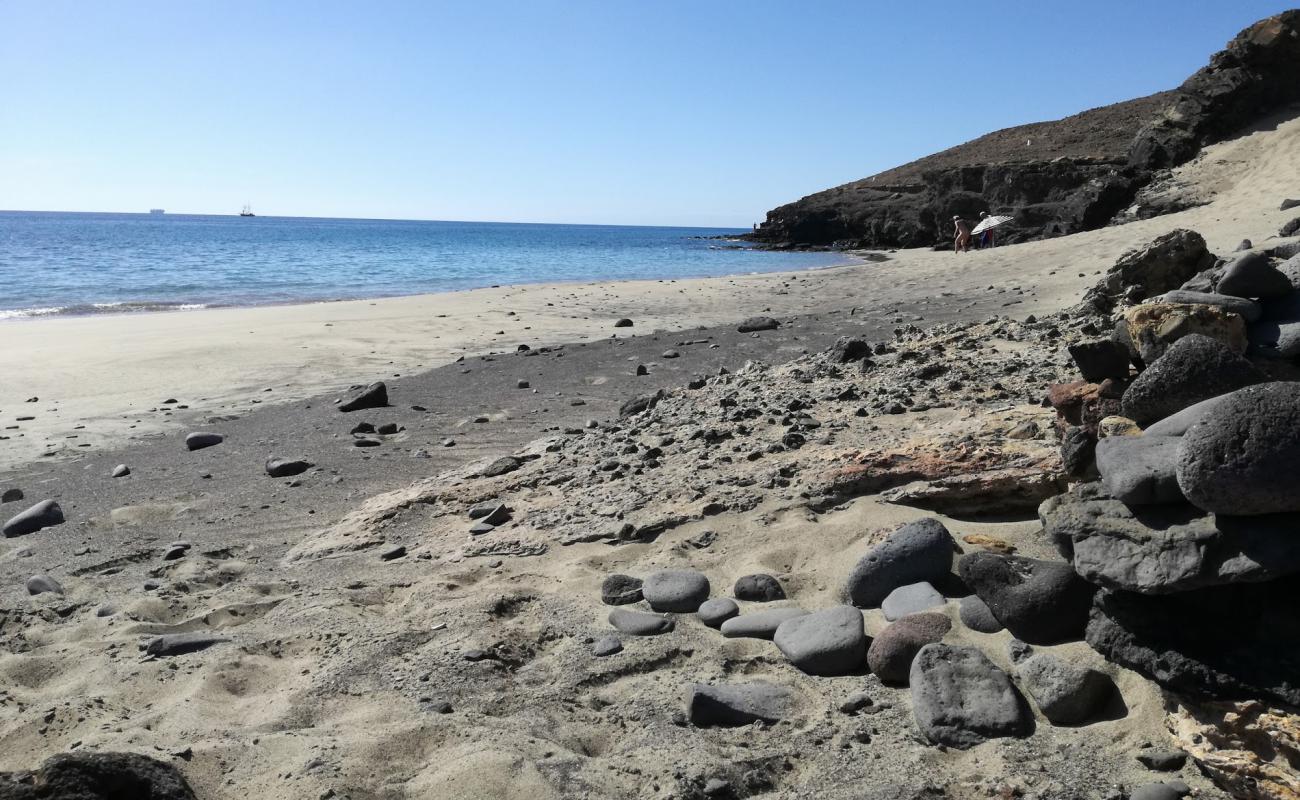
point(1166, 548)
point(1243, 457)
point(918, 551)
point(42, 515)
point(976, 615)
point(960, 699)
point(891, 653)
point(911, 599)
point(1140, 470)
point(1182, 422)
point(1041, 602)
point(760, 624)
point(1251, 275)
point(679, 590)
point(1066, 693)
point(1195, 368)
point(1249, 310)
point(639, 623)
point(738, 703)
point(828, 642)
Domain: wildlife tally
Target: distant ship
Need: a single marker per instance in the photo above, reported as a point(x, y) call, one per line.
point(247, 212)
point(157, 211)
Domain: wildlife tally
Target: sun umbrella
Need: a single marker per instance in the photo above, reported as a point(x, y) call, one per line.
point(989, 223)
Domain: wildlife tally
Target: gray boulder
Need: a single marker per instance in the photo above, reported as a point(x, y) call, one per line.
point(678, 590)
point(1251, 275)
point(960, 699)
point(1193, 369)
point(828, 642)
point(1066, 693)
point(760, 624)
point(1140, 470)
point(44, 514)
point(738, 704)
point(1168, 548)
point(1249, 310)
point(717, 611)
point(373, 396)
point(1241, 459)
point(911, 599)
point(202, 439)
point(918, 551)
point(891, 653)
point(639, 623)
point(758, 588)
point(1041, 602)
point(976, 615)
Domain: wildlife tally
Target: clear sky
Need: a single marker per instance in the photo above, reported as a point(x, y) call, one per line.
point(691, 112)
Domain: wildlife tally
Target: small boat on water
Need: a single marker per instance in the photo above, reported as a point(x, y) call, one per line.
point(247, 212)
point(157, 212)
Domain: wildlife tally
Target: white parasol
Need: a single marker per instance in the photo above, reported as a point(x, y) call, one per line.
point(989, 223)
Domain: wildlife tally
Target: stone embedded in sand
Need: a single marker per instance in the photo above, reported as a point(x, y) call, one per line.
point(373, 396)
point(677, 590)
point(174, 552)
point(366, 442)
point(918, 551)
point(491, 513)
point(738, 704)
point(670, 354)
point(760, 624)
point(620, 590)
point(1159, 791)
point(199, 440)
point(362, 427)
point(639, 623)
point(1195, 368)
point(80, 775)
point(11, 496)
point(1241, 459)
point(717, 611)
point(1066, 693)
point(501, 466)
point(1042, 602)
point(891, 653)
point(758, 324)
point(1140, 470)
point(960, 699)
point(120, 471)
point(387, 429)
point(286, 467)
point(911, 599)
point(1099, 359)
point(1251, 275)
point(1248, 310)
point(1162, 760)
point(641, 403)
point(174, 644)
point(758, 588)
point(40, 584)
point(393, 553)
point(623, 323)
point(522, 384)
point(827, 642)
point(607, 646)
point(976, 615)
point(44, 514)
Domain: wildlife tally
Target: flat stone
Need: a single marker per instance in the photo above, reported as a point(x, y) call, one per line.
point(911, 599)
point(120, 471)
point(1242, 457)
point(827, 642)
point(501, 466)
point(1248, 310)
point(892, 652)
point(174, 644)
point(1168, 548)
point(40, 584)
point(960, 699)
point(758, 324)
point(738, 704)
point(758, 588)
point(620, 590)
point(676, 590)
point(1041, 602)
point(639, 623)
point(1195, 368)
point(373, 396)
point(1251, 275)
point(286, 467)
point(759, 624)
point(976, 615)
point(480, 528)
point(918, 551)
point(717, 611)
point(1140, 470)
point(607, 646)
point(1066, 693)
point(200, 439)
point(44, 514)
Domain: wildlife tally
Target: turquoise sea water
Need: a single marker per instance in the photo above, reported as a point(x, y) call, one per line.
point(76, 263)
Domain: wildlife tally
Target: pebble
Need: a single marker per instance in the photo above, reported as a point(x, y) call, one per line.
point(607, 646)
point(757, 324)
point(11, 496)
point(480, 528)
point(832, 641)
point(366, 442)
point(44, 514)
point(387, 429)
point(120, 471)
point(759, 624)
point(40, 584)
point(623, 323)
point(975, 614)
point(676, 590)
point(758, 588)
point(1160, 791)
point(199, 440)
point(717, 611)
point(373, 396)
point(286, 467)
point(639, 623)
point(174, 552)
point(911, 599)
point(620, 590)
point(393, 553)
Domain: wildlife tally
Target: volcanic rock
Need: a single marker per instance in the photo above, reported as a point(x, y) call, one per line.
point(960, 699)
point(1139, 470)
point(639, 623)
point(84, 775)
point(759, 624)
point(717, 611)
point(373, 396)
point(1099, 359)
point(677, 590)
point(199, 440)
point(40, 584)
point(44, 514)
point(175, 644)
point(1151, 328)
point(758, 324)
point(828, 642)
point(1041, 602)
point(891, 653)
point(918, 551)
point(607, 646)
point(1195, 368)
point(738, 704)
point(911, 599)
point(285, 467)
point(620, 590)
point(758, 588)
point(1248, 310)
point(1066, 693)
point(976, 615)
point(1251, 275)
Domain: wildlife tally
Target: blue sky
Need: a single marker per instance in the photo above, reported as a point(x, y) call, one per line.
point(656, 112)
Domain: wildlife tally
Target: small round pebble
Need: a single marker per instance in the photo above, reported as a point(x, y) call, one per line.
point(976, 615)
point(607, 646)
point(759, 588)
point(717, 611)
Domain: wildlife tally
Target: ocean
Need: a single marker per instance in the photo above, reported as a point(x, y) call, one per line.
point(85, 263)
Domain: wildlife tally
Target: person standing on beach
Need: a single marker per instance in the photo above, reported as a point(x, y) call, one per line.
point(961, 235)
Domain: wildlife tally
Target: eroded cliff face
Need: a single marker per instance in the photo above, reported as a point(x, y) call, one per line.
point(1058, 177)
